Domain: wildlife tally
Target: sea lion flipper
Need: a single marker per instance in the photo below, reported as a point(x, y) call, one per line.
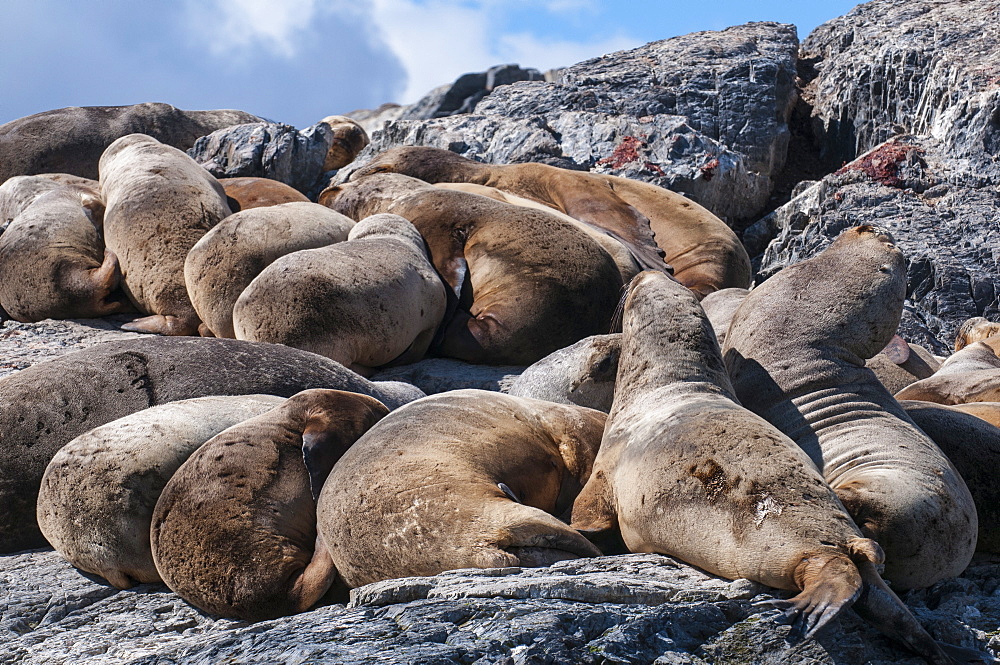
point(830, 584)
point(594, 514)
point(158, 324)
point(314, 580)
point(897, 349)
point(540, 536)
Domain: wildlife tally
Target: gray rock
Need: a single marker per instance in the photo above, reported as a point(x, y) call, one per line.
point(638, 608)
point(705, 114)
point(438, 375)
point(373, 119)
point(467, 90)
point(902, 66)
point(266, 150)
point(942, 212)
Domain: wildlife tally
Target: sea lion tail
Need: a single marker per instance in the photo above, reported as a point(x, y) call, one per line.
point(882, 608)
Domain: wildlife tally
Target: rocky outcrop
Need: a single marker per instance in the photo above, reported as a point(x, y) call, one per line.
point(896, 66)
point(467, 91)
point(705, 114)
point(943, 216)
point(638, 608)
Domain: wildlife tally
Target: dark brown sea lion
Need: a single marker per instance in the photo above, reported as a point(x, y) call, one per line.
point(54, 263)
point(366, 303)
point(97, 496)
point(684, 470)
point(349, 138)
point(234, 531)
point(71, 140)
point(44, 407)
point(227, 258)
point(796, 350)
point(159, 204)
point(463, 479)
point(537, 283)
point(246, 193)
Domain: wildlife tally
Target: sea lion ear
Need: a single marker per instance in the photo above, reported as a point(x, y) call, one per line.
point(94, 207)
point(328, 195)
point(328, 435)
point(897, 349)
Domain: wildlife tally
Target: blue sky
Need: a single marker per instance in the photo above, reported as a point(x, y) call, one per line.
point(297, 61)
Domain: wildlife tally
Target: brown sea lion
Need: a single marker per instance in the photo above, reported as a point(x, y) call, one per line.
point(975, 330)
point(231, 254)
point(159, 204)
point(796, 350)
point(464, 479)
point(969, 375)
point(972, 444)
point(365, 303)
point(684, 470)
point(54, 263)
point(43, 407)
point(988, 411)
point(247, 193)
point(349, 138)
point(537, 283)
point(20, 191)
point(97, 496)
point(657, 225)
point(234, 531)
point(71, 140)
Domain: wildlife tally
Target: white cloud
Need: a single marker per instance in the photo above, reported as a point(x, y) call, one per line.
point(226, 25)
point(547, 54)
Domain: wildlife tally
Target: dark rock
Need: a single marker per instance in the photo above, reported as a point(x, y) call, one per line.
point(902, 66)
point(463, 95)
point(942, 213)
point(72, 140)
point(267, 150)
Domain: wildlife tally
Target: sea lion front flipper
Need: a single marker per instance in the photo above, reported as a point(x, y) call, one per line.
point(314, 580)
point(594, 514)
point(158, 324)
point(897, 349)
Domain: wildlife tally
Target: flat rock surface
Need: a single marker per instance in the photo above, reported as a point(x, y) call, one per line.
point(637, 608)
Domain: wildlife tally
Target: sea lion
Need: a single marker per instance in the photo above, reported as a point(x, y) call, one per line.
point(795, 352)
point(54, 263)
point(234, 531)
point(969, 375)
point(900, 363)
point(20, 191)
point(627, 265)
point(97, 496)
point(657, 225)
point(988, 411)
point(348, 139)
point(972, 444)
point(227, 258)
point(247, 193)
point(71, 140)
point(975, 330)
point(582, 374)
point(365, 303)
point(537, 283)
point(720, 306)
point(684, 470)
point(464, 479)
point(159, 204)
point(45, 406)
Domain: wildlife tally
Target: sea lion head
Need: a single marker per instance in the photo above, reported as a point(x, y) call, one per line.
point(974, 330)
point(428, 164)
point(386, 225)
point(368, 196)
point(347, 139)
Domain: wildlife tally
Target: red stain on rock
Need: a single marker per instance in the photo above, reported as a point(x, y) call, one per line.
point(626, 152)
point(653, 168)
point(882, 163)
point(708, 170)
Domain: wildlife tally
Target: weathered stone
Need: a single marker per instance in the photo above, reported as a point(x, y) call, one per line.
point(944, 217)
point(467, 90)
point(374, 119)
point(908, 66)
point(437, 375)
point(267, 150)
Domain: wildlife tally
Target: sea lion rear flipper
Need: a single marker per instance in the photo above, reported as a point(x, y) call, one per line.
point(314, 580)
point(830, 584)
point(158, 324)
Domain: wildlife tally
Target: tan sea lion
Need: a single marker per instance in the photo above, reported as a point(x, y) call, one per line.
point(627, 265)
point(71, 140)
point(972, 444)
point(975, 330)
point(227, 258)
point(795, 352)
point(247, 193)
point(657, 225)
point(464, 479)
point(988, 411)
point(349, 138)
point(720, 306)
point(969, 375)
point(537, 283)
point(365, 303)
point(684, 470)
point(234, 531)
point(97, 496)
point(54, 263)
point(44, 407)
point(19, 192)
point(159, 204)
